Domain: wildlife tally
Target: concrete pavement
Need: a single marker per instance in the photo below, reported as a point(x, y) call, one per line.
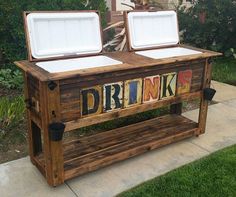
point(21, 178)
point(224, 92)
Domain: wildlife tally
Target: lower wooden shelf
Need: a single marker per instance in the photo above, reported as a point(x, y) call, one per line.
point(92, 152)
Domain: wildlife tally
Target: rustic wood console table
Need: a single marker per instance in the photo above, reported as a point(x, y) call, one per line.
point(64, 101)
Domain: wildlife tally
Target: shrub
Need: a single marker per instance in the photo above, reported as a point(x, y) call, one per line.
point(12, 45)
point(210, 24)
point(11, 79)
point(11, 111)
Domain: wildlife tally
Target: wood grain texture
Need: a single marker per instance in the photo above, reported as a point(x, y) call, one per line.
point(90, 153)
point(184, 81)
point(56, 149)
point(79, 123)
point(130, 61)
point(70, 88)
point(204, 103)
point(29, 122)
point(33, 96)
point(151, 88)
point(168, 85)
point(122, 143)
point(113, 94)
point(53, 152)
point(132, 92)
point(59, 162)
point(91, 101)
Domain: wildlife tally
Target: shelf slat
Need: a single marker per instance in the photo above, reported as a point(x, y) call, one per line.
point(93, 152)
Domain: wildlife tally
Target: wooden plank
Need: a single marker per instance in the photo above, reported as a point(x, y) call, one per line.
point(131, 61)
point(127, 74)
point(40, 164)
point(46, 140)
point(114, 133)
point(204, 103)
point(113, 96)
point(168, 85)
point(176, 108)
point(36, 119)
point(91, 101)
point(129, 111)
point(151, 88)
point(29, 126)
point(32, 69)
point(70, 88)
point(137, 141)
point(56, 150)
point(53, 152)
point(34, 99)
point(100, 141)
point(149, 135)
point(184, 81)
point(132, 92)
point(129, 153)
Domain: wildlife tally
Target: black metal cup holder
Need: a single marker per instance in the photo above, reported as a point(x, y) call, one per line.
point(208, 94)
point(56, 131)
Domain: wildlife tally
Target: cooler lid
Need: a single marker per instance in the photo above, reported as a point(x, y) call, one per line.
point(51, 35)
point(150, 29)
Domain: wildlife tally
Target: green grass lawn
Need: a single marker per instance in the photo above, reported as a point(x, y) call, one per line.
point(224, 70)
point(214, 175)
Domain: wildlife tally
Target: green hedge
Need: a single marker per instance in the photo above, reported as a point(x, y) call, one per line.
point(210, 24)
point(12, 38)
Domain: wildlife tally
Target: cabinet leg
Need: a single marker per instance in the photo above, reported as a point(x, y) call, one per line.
point(54, 161)
point(204, 103)
point(176, 108)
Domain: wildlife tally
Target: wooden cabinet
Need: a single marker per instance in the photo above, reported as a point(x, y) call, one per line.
point(111, 86)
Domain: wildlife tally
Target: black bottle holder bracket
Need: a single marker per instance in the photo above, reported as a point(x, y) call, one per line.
point(56, 131)
point(208, 94)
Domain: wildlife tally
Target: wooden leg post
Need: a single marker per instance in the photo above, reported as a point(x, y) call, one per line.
point(53, 151)
point(204, 103)
point(29, 122)
point(176, 108)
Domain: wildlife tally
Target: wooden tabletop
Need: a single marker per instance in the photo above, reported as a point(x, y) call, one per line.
point(130, 60)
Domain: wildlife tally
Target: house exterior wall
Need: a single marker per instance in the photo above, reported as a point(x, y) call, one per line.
point(120, 7)
point(109, 4)
point(116, 5)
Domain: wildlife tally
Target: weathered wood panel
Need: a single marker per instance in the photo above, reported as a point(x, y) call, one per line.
point(184, 81)
point(70, 88)
point(112, 96)
point(151, 88)
point(168, 85)
point(33, 99)
point(90, 153)
point(91, 101)
point(133, 92)
point(90, 120)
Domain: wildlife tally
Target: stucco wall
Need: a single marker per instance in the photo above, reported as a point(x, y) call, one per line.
point(109, 4)
point(119, 5)
point(166, 4)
